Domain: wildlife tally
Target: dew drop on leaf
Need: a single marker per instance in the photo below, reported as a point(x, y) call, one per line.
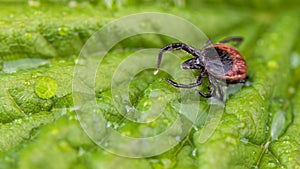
point(46, 87)
point(194, 152)
point(63, 31)
point(244, 140)
point(278, 125)
point(166, 162)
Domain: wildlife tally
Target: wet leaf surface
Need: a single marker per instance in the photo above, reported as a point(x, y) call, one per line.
point(39, 128)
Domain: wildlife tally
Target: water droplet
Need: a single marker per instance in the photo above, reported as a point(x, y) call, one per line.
point(195, 127)
point(46, 87)
point(63, 31)
point(34, 76)
point(116, 125)
point(194, 152)
point(108, 124)
point(27, 83)
point(242, 125)
point(128, 108)
point(286, 142)
point(28, 36)
point(166, 121)
point(245, 140)
point(100, 98)
point(81, 152)
point(278, 124)
point(126, 133)
point(248, 83)
point(63, 145)
point(166, 162)
point(271, 165)
point(287, 138)
point(72, 117)
point(230, 140)
point(18, 121)
point(146, 103)
point(177, 138)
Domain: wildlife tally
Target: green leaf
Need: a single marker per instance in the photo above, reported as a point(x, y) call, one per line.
point(39, 45)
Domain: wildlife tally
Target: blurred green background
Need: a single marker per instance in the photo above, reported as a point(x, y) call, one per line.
point(260, 126)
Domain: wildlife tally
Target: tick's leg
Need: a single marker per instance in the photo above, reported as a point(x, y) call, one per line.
point(237, 40)
point(212, 91)
point(199, 81)
point(208, 42)
point(175, 46)
point(206, 95)
point(217, 86)
point(182, 85)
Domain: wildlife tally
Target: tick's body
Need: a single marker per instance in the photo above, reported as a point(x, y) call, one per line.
point(235, 67)
point(218, 61)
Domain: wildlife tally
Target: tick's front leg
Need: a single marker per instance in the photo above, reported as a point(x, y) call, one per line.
point(175, 46)
point(179, 85)
point(236, 40)
point(191, 85)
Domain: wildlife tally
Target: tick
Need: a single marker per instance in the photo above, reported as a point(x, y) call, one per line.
point(219, 62)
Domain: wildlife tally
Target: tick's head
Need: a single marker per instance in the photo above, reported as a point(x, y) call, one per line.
point(194, 63)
